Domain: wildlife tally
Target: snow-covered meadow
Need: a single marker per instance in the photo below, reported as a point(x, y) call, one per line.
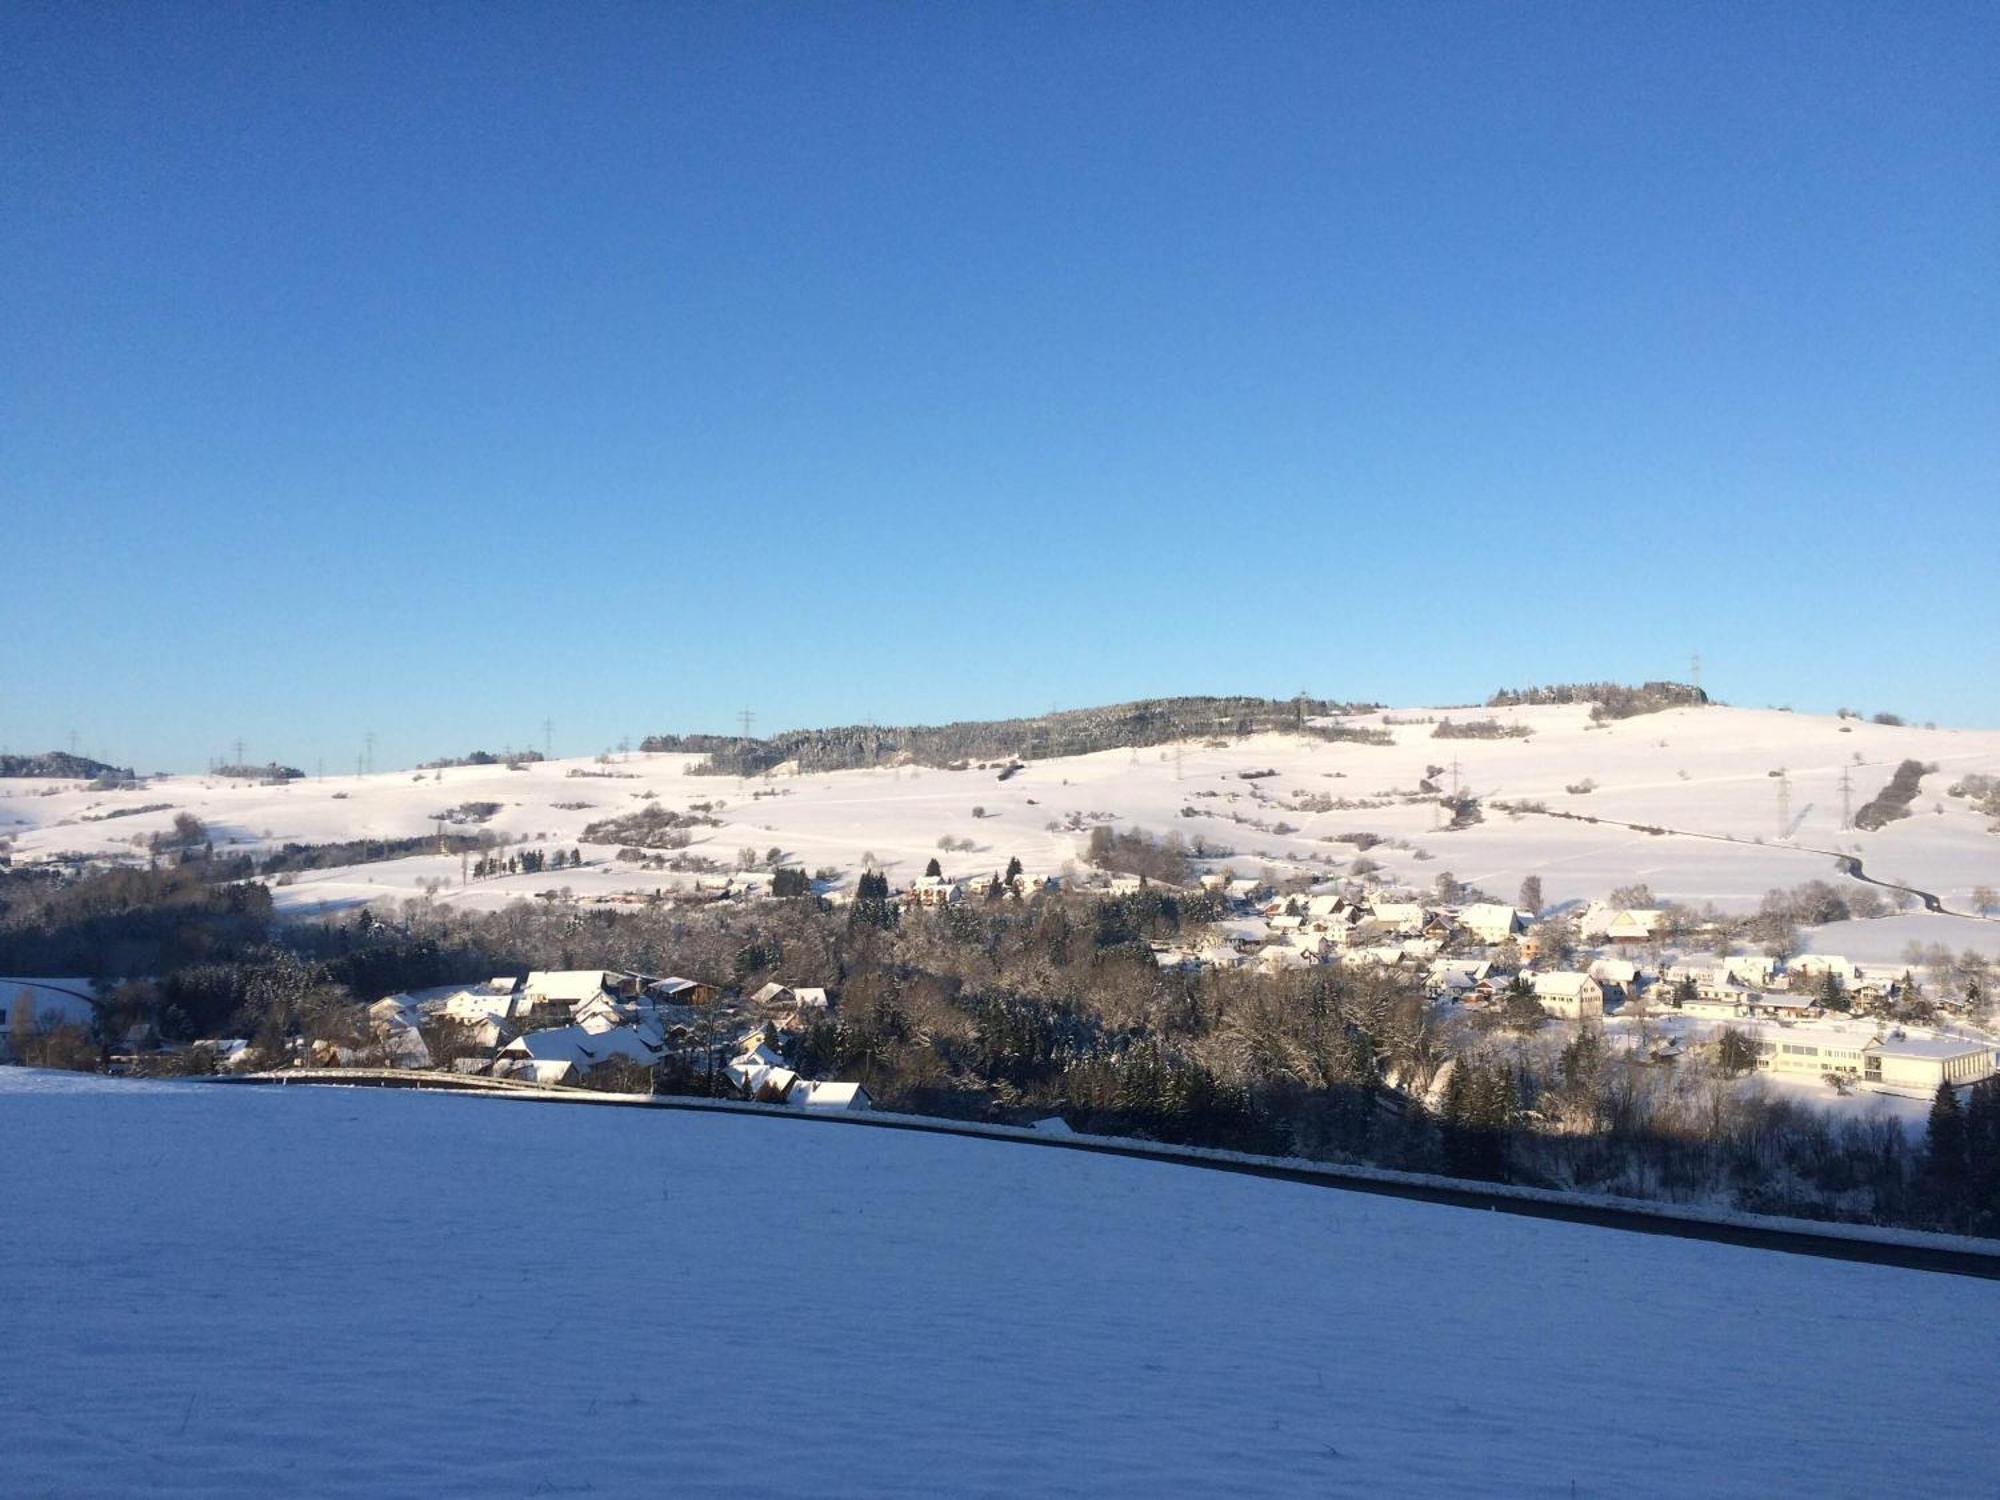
point(1705, 773)
point(222, 1290)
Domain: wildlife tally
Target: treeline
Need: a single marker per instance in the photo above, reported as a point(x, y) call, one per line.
point(651, 827)
point(271, 772)
point(482, 758)
point(1894, 800)
point(1479, 729)
point(1133, 851)
point(1611, 700)
point(289, 858)
point(59, 763)
point(1152, 721)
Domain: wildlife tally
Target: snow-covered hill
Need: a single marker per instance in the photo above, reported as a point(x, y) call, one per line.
point(1707, 774)
point(221, 1290)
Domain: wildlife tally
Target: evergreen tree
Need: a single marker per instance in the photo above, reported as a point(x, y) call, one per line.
point(934, 868)
point(1945, 1154)
point(1982, 1150)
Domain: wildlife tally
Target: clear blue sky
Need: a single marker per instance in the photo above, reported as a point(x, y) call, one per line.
point(433, 369)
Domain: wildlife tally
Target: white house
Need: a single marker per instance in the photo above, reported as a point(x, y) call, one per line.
point(1404, 918)
point(1636, 926)
point(1572, 995)
point(566, 989)
point(1906, 1062)
point(837, 1096)
point(582, 1049)
point(933, 890)
point(1490, 921)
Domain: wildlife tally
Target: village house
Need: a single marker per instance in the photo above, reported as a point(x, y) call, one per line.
point(1573, 996)
point(548, 993)
point(585, 1050)
point(933, 890)
point(1490, 921)
point(1402, 918)
point(674, 990)
point(832, 1097)
point(1627, 928)
point(1455, 978)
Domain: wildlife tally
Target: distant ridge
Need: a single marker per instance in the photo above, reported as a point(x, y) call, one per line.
point(1075, 731)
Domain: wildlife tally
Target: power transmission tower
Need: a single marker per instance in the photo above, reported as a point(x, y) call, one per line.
point(1694, 673)
point(238, 747)
point(1846, 801)
point(368, 753)
point(747, 719)
point(548, 738)
point(72, 742)
point(1784, 804)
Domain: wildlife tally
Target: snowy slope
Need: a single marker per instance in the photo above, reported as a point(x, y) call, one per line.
point(233, 1291)
point(1705, 773)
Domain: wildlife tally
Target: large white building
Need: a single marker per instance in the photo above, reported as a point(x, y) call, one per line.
point(1908, 1063)
point(1809, 1055)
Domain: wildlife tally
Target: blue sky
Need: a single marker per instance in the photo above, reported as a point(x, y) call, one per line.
point(436, 369)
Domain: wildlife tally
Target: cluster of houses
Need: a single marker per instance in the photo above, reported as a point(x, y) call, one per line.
point(562, 1026)
point(1271, 931)
point(1485, 954)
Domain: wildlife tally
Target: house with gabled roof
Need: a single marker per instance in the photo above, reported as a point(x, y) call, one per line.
point(1570, 994)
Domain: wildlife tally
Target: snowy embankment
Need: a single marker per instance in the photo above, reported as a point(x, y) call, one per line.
point(233, 1290)
point(1708, 774)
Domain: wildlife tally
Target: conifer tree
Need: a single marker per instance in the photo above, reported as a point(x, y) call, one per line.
point(1944, 1153)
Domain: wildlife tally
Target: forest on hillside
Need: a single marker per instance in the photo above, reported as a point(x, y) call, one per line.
point(1146, 722)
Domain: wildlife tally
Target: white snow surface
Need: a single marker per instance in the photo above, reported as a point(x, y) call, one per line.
point(222, 1290)
point(1703, 772)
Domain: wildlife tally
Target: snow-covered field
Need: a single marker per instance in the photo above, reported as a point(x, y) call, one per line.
point(1703, 772)
point(221, 1290)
